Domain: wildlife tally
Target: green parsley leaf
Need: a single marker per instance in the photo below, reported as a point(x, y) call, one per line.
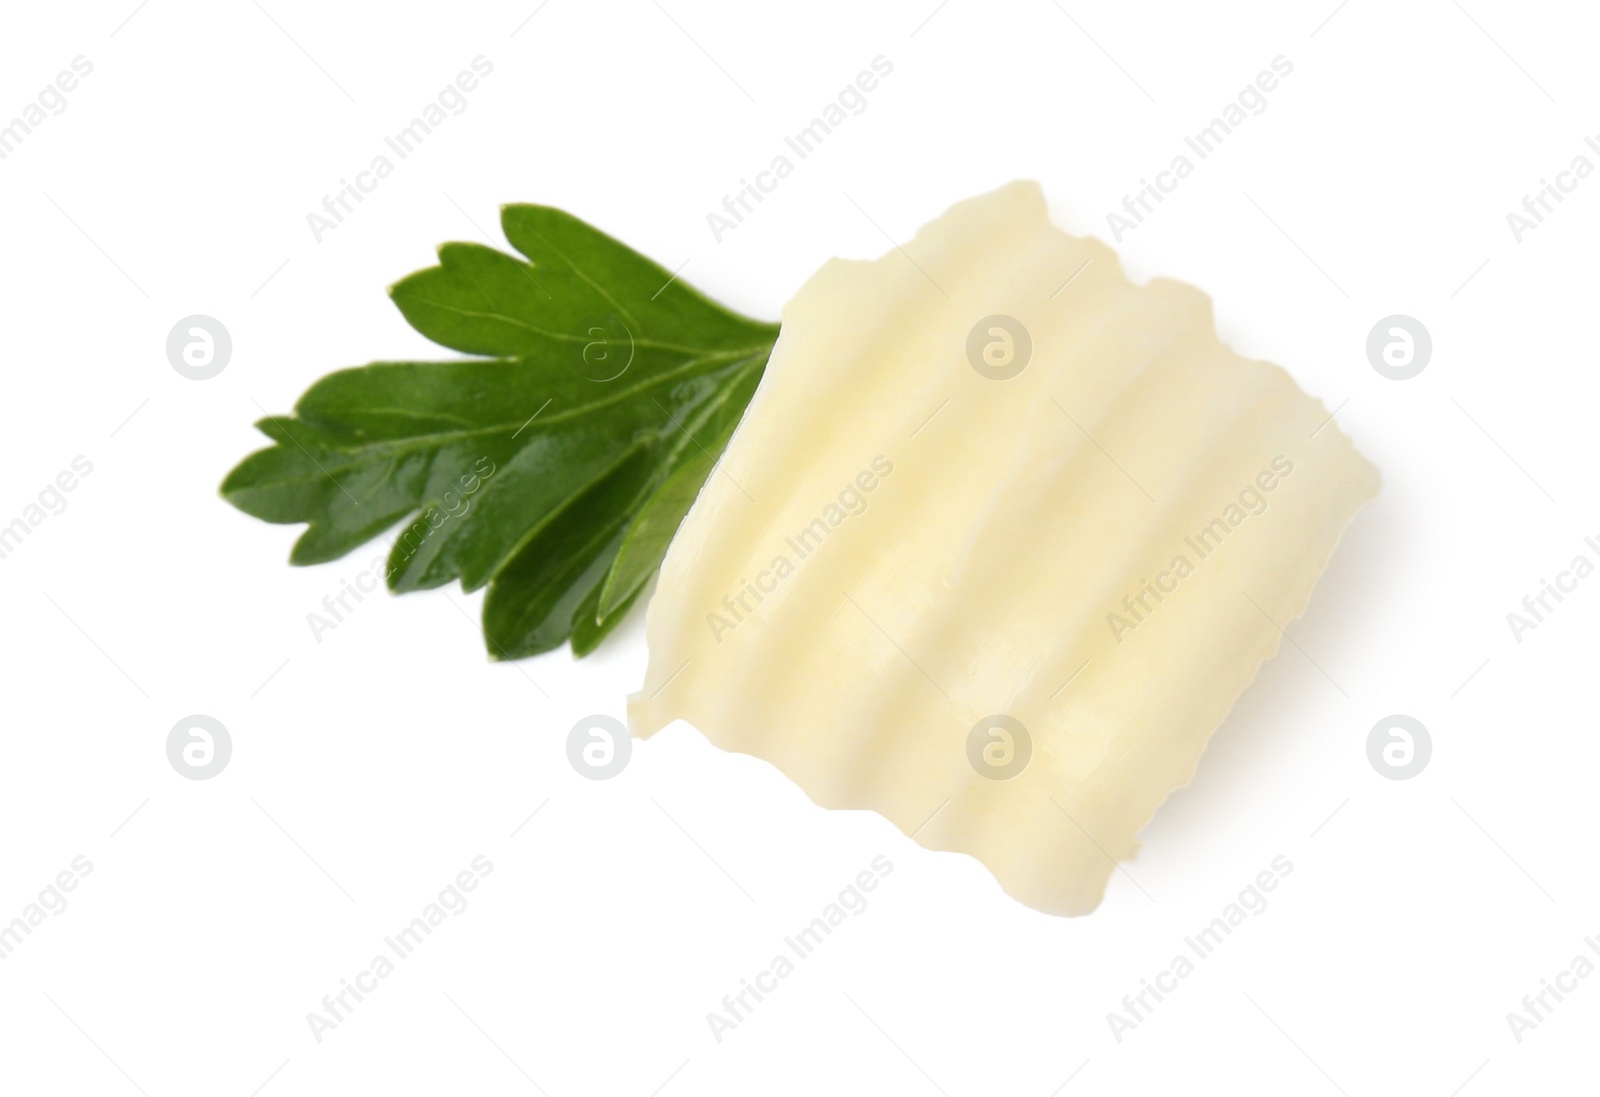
point(555, 467)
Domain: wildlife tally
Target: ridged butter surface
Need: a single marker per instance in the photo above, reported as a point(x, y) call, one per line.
point(897, 549)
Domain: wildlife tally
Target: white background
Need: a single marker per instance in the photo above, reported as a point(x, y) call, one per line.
point(370, 768)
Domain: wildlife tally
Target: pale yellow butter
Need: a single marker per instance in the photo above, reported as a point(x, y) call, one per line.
point(1086, 562)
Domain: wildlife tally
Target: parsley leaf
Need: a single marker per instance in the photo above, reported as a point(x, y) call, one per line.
point(555, 467)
